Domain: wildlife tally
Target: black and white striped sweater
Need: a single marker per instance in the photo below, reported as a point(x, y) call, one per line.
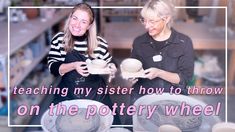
point(57, 53)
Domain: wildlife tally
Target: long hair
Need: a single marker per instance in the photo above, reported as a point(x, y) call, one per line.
point(68, 40)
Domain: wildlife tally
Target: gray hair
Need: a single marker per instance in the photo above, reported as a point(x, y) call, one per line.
point(159, 8)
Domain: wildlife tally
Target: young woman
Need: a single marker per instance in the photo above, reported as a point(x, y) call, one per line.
point(72, 48)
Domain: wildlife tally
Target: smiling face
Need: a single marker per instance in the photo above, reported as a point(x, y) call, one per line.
point(154, 23)
point(154, 26)
point(79, 23)
point(157, 17)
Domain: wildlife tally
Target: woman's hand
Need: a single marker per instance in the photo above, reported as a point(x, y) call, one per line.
point(132, 80)
point(81, 68)
point(112, 70)
point(152, 73)
point(171, 77)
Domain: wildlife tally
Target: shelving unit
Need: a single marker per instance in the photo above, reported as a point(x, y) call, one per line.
point(107, 14)
point(29, 68)
point(3, 50)
point(3, 40)
point(22, 35)
point(3, 61)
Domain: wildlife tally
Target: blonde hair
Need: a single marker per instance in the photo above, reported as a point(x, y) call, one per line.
point(159, 8)
point(68, 40)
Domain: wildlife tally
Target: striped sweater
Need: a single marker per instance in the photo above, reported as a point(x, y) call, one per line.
point(57, 53)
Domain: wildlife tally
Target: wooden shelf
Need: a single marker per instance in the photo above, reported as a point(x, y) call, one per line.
point(106, 14)
point(27, 70)
point(119, 3)
point(24, 32)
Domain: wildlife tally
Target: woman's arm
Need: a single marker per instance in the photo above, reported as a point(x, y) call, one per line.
point(152, 73)
point(105, 55)
point(185, 68)
point(54, 58)
point(79, 66)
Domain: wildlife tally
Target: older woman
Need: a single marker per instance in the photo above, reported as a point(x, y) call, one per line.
point(167, 55)
point(72, 48)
